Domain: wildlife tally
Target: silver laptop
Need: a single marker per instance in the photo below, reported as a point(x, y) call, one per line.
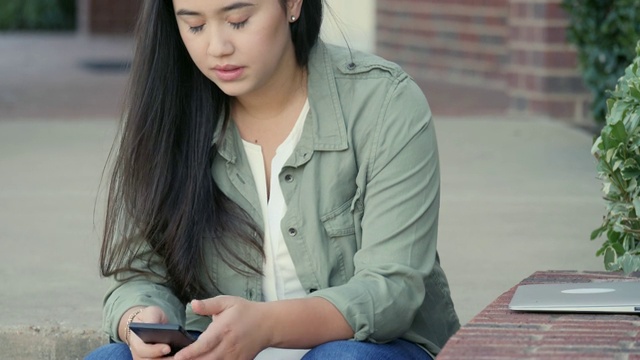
point(609, 297)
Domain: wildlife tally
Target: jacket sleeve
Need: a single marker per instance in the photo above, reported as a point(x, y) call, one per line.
point(399, 221)
point(142, 290)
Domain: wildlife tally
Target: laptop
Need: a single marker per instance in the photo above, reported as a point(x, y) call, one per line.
point(593, 297)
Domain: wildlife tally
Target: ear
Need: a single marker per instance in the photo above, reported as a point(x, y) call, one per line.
point(294, 7)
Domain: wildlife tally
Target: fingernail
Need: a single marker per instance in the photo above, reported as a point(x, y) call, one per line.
point(166, 350)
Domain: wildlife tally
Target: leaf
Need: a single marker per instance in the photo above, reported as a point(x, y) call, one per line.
point(610, 103)
point(618, 132)
point(633, 91)
point(632, 185)
point(598, 232)
point(611, 190)
point(618, 228)
point(631, 123)
point(603, 167)
point(617, 247)
point(610, 258)
point(610, 153)
point(612, 236)
point(612, 267)
point(617, 165)
point(597, 147)
point(618, 209)
point(633, 144)
point(629, 263)
point(613, 135)
point(630, 170)
point(617, 112)
point(636, 205)
point(630, 173)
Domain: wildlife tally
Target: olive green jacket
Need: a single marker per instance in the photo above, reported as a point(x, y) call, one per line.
point(362, 193)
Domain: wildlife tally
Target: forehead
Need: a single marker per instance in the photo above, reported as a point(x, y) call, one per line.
point(224, 5)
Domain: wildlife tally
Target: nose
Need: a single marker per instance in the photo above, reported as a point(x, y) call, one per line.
point(220, 44)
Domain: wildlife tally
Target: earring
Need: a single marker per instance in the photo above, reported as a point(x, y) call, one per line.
point(293, 18)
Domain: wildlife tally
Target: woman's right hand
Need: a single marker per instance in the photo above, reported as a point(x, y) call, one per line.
point(139, 349)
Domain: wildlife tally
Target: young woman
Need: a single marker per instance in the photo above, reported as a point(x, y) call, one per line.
point(290, 186)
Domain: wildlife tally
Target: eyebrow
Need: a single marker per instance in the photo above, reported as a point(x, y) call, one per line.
point(234, 6)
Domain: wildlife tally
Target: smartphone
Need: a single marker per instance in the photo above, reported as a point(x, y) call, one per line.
point(171, 334)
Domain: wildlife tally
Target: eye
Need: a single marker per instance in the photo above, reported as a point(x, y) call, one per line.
point(196, 29)
point(238, 25)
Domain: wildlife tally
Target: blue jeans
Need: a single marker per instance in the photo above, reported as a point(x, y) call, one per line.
point(359, 350)
point(343, 350)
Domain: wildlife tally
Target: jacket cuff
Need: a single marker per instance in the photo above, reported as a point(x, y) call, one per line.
point(123, 298)
point(356, 305)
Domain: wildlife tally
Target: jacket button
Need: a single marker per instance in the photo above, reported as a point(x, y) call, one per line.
point(288, 178)
point(293, 232)
point(351, 66)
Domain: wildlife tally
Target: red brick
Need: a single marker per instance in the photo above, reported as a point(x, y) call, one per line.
point(517, 10)
point(555, 35)
point(561, 59)
point(552, 34)
point(596, 352)
point(554, 11)
point(425, 34)
point(113, 16)
point(561, 109)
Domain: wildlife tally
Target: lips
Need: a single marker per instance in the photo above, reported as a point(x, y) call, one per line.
point(228, 72)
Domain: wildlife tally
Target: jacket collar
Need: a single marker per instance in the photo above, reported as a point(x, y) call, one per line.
point(326, 120)
point(324, 128)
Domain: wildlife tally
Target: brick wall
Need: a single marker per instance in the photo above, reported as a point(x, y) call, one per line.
point(462, 40)
point(112, 16)
point(516, 46)
point(543, 75)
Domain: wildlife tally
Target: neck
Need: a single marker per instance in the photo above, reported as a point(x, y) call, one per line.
point(276, 98)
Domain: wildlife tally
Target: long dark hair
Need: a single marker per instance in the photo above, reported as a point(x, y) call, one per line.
point(162, 202)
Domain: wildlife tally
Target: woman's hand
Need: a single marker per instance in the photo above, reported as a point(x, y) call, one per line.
point(239, 330)
point(139, 349)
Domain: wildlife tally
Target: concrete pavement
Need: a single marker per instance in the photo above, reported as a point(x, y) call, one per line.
point(62, 76)
point(518, 195)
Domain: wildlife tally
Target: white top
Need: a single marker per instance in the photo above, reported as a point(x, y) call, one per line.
point(280, 278)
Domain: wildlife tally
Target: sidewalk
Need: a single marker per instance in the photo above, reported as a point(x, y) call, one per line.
point(62, 76)
point(518, 195)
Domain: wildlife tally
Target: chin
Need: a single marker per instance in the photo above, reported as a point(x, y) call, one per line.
point(233, 93)
point(232, 89)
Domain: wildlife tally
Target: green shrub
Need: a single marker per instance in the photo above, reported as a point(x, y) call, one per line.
point(605, 33)
point(618, 152)
point(37, 14)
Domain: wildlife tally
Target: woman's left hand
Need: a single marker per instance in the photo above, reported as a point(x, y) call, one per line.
point(239, 330)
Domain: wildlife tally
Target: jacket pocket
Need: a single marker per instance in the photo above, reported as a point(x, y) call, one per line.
point(339, 226)
point(339, 222)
